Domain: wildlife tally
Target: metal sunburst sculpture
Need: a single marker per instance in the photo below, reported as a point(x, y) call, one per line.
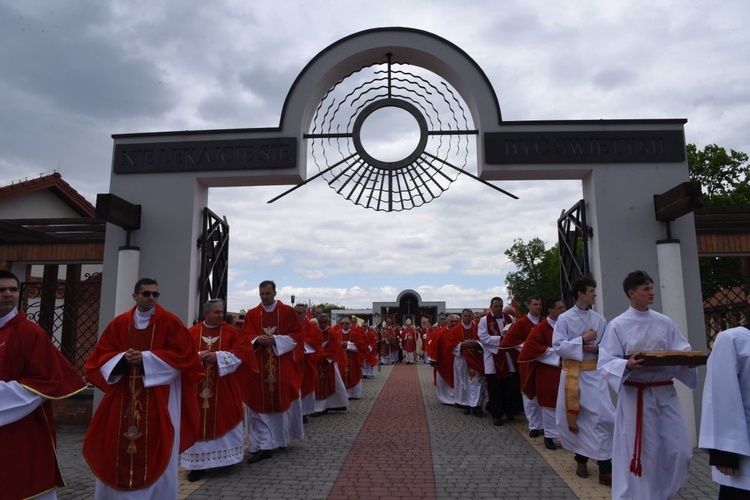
point(441, 152)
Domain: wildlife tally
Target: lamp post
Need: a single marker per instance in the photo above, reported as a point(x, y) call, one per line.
point(292, 299)
point(376, 318)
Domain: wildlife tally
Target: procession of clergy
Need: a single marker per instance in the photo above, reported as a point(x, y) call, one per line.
point(163, 405)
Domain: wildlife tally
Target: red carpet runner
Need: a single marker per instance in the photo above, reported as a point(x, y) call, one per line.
point(391, 456)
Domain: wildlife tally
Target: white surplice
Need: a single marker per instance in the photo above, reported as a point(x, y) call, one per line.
point(725, 422)
point(597, 413)
point(665, 446)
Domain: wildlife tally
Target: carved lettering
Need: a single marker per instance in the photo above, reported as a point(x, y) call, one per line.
point(583, 147)
point(206, 155)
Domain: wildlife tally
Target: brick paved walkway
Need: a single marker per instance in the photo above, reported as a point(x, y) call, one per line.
point(399, 441)
point(397, 428)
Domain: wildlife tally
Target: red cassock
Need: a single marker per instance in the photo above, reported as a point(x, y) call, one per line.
point(326, 376)
point(474, 357)
point(538, 379)
point(220, 398)
point(280, 376)
point(442, 354)
point(314, 339)
point(28, 462)
point(351, 372)
point(129, 441)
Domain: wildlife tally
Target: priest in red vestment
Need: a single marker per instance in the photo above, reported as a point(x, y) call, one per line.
point(313, 345)
point(409, 342)
point(146, 364)
point(443, 358)
point(354, 344)
point(33, 372)
point(274, 407)
point(229, 363)
point(468, 364)
point(330, 391)
point(539, 368)
point(371, 355)
point(512, 343)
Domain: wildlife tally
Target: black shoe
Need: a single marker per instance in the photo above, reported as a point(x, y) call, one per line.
point(467, 410)
point(477, 411)
point(549, 444)
point(497, 421)
point(259, 455)
point(511, 418)
point(195, 475)
point(338, 408)
point(305, 419)
point(535, 433)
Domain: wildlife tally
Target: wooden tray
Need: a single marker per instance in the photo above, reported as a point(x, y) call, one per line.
point(671, 358)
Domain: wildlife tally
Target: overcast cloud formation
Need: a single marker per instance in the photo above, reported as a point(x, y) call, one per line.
point(74, 73)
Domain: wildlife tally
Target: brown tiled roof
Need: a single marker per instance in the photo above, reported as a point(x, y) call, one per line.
point(55, 183)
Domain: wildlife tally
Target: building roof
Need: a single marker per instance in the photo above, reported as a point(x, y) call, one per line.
point(85, 228)
point(55, 183)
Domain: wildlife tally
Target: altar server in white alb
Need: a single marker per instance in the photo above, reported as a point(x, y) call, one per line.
point(584, 414)
point(725, 422)
point(651, 448)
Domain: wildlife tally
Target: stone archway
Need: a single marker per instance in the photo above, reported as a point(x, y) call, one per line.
point(622, 164)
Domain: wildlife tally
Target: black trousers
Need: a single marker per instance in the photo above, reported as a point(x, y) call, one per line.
point(504, 395)
point(732, 493)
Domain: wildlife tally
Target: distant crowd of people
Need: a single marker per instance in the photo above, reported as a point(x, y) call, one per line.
point(198, 397)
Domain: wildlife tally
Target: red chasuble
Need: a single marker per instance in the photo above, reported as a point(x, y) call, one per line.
point(326, 376)
point(538, 379)
point(351, 372)
point(371, 339)
point(280, 376)
point(129, 441)
point(409, 339)
point(220, 398)
point(314, 339)
point(28, 461)
point(442, 353)
point(474, 357)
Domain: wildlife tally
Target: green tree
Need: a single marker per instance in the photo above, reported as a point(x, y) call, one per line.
point(327, 307)
point(537, 271)
point(724, 180)
point(723, 176)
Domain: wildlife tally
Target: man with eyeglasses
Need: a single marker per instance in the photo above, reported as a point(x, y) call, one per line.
point(229, 363)
point(32, 373)
point(147, 366)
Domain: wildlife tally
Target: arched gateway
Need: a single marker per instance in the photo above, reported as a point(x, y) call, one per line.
point(622, 164)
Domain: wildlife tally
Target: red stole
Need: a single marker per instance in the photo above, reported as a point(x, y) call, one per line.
point(499, 358)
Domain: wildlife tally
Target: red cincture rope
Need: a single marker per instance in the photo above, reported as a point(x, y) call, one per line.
point(635, 462)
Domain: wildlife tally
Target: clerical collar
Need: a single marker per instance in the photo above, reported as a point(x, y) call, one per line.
point(141, 319)
point(4, 320)
point(466, 327)
point(270, 308)
point(551, 321)
point(209, 326)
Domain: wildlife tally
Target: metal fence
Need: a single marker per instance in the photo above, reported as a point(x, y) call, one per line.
point(725, 309)
point(68, 312)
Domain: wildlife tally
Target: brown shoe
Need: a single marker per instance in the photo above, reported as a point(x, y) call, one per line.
point(582, 470)
point(605, 479)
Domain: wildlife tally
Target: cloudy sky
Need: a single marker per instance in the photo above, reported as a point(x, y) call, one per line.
point(74, 73)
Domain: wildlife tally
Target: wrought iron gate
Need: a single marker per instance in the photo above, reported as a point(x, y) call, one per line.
point(573, 234)
point(68, 311)
point(214, 245)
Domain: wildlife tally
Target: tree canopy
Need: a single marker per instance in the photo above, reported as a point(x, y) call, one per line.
point(537, 271)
